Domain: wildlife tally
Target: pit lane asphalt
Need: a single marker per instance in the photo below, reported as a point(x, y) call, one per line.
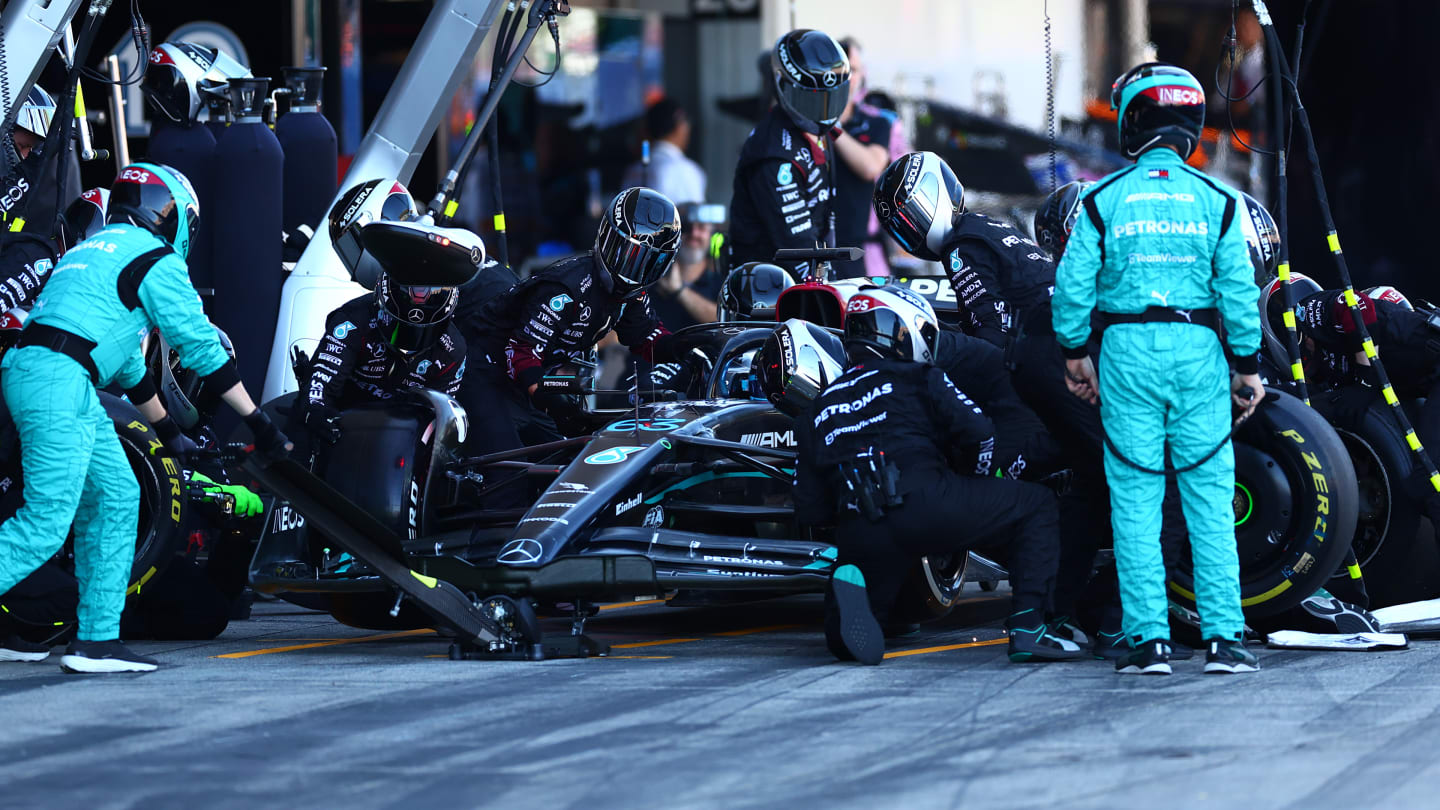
point(710, 707)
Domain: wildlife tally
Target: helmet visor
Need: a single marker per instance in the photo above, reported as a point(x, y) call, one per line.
point(168, 92)
point(420, 305)
point(912, 217)
point(633, 264)
point(820, 106)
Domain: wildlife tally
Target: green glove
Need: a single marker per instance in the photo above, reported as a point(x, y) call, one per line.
point(247, 503)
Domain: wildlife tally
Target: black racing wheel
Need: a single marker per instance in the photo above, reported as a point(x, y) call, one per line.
point(1394, 543)
point(1295, 508)
point(162, 502)
point(932, 588)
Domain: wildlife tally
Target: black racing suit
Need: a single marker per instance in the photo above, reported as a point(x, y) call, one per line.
point(928, 429)
point(356, 363)
point(550, 317)
point(25, 264)
point(1024, 449)
point(1004, 282)
point(781, 196)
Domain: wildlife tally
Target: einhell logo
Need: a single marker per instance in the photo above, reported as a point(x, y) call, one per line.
point(1176, 95)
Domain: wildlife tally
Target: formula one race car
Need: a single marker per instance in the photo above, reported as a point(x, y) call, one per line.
point(689, 497)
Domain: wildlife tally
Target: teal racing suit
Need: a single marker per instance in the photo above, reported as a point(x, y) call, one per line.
point(1162, 241)
point(104, 296)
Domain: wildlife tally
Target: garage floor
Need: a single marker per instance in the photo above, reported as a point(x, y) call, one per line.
point(711, 707)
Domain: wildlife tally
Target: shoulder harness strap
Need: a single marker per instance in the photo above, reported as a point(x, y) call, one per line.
point(128, 284)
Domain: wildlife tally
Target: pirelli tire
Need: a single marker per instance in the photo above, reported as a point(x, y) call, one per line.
point(1295, 508)
point(159, 535)
point(1394, 543)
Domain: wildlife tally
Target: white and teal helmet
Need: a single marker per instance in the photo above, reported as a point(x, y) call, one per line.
point(160, 200)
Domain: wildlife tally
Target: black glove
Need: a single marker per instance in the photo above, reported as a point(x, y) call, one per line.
point(323, 422)
point(269, 445)
point(176, 443)
point(557, 396)
point(1348, 405)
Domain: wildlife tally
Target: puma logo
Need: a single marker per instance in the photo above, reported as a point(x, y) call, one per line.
point(1184, 313)
point(1164, 298)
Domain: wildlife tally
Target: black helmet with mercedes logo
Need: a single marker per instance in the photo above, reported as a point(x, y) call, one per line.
point(812, 79)
point(638, 238)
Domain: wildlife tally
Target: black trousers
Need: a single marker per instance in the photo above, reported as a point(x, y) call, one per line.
point(1039, 376)
point(945, 513)
point(978, 368)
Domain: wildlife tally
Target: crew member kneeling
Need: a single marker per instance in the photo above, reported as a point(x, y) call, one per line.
point(1158, 247)
point(84, 334)
point(878, 451)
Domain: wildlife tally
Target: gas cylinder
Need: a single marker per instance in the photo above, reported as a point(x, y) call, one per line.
point(248, 177)
point(310, 152)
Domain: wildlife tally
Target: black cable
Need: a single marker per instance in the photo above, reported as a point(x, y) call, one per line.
point(1225, 93)
point(1050, 102)
point(140, 35)
point(1173, 471)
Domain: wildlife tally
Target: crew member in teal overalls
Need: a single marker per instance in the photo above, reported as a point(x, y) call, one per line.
point(1159, 249)
point(105, 295)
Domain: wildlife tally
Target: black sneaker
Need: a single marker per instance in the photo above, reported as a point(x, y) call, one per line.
point(1150, 658)
point(104, 656)
point(1229, 657)
point(1110, 646)
point(851, 631)
point(1063, 627)
point(1032, 640)
point(15, 648)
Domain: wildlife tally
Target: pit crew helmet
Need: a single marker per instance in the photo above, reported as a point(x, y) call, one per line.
point(796, 362)
point(1158, 104)
point(1273, 303)
point(751, 292)
point(84, 217)
point(159, 199)
point(812, 79)
point(1385, 292)
point(180, 75)
point(892, 323)
point(36, 112)
point(1055, 218)
point(918, 200)
point(361, 204)
point(638, 238)
point(413, 316)
point(1262, 237)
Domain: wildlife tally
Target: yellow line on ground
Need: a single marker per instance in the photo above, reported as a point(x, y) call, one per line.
point(335, 642)
point(772, 628)
point(643, 657)
point(943, 648)
point(652, 643)
point(619, 605)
